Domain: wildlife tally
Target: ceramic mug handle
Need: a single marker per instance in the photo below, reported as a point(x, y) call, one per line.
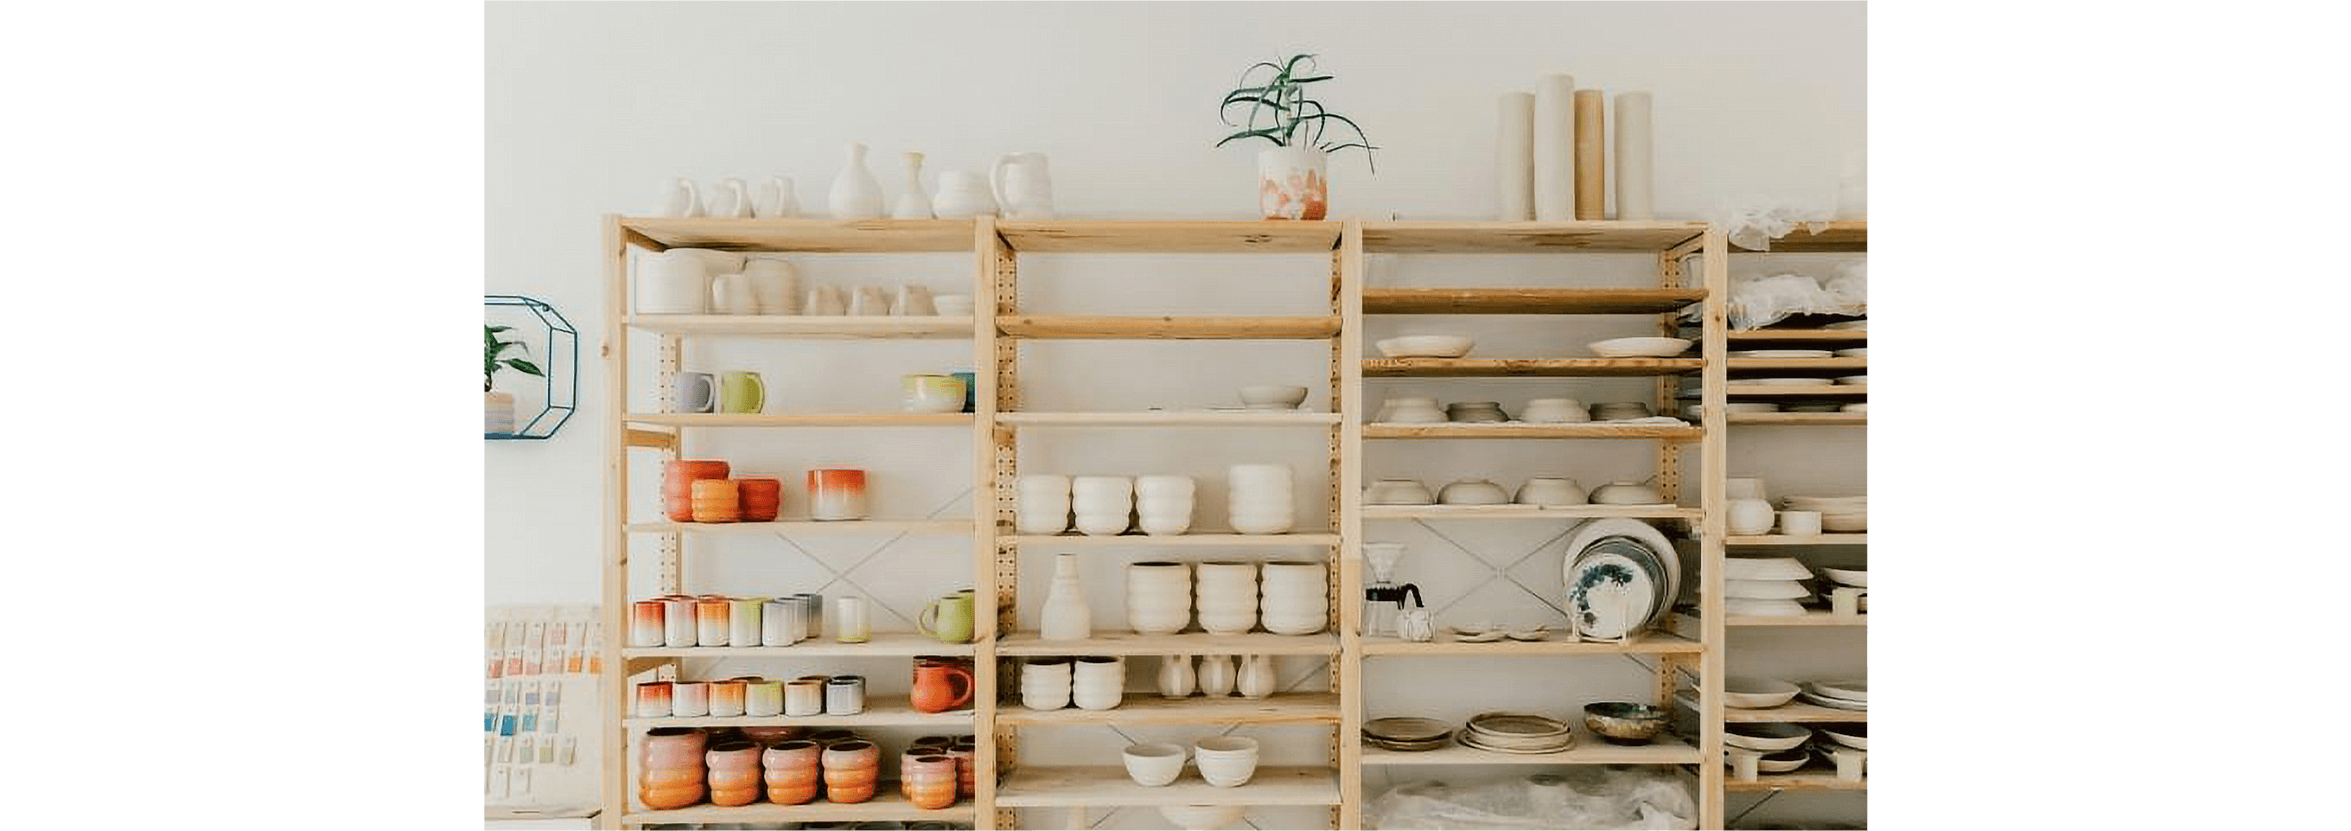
point(996, 184)
point(964, 697)
point(928, 622)
point(759, 393)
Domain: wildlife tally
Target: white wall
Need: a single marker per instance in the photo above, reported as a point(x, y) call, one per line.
point(593, 106)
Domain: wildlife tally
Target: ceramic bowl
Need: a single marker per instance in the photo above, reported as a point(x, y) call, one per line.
point(1550, 490)
point(1855, 352)
point(1426, 346)
point(1620, 410)
point(1765, 568)
point(1651, 347)
point(1743, 607)
point(1624, 722)
point(1765, 589)
point(1226, 761)
point(1848, 576)
point(1853, 380)
point(1554, 411)
point(1476, 412)
point(1800, 523)
point(1767, 737)
point(1752, 693)
point(1472, 492)
point(1202, 816)
point(1398, 492)
point(1626, 493)
point(1155, 765)
point(1850, 690)
point(1783, 761)
point(1272, 397)
point(1409, 410)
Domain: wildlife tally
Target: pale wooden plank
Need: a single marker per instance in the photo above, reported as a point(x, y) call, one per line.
point(1815, 617)
point(1529, 512)
point(808, 235)
point(1517, 430)
point(808, 326)
point(803, 419)
point(1545, 367)
point(1209, 539)
point(1803, 419)
point(887, 804)
point(882, 644)
point(1250, 237)
point(806, 526)
point(1782, 539)
point(1836, 337)
point(1524, 237)
point(1055, 786)
point(1818, 364)
point(1181, 643)
point(1147, 327)
point(1527, 301)
point(880, 711)
point(1823, 391)
point(1145, 707)
point(1157, 418)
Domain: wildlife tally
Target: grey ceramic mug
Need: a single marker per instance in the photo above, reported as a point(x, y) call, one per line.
point(697, 392)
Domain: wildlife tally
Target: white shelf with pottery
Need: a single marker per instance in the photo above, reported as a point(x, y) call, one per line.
point(1048, 786)
point(1525, 430)
point(1219, 539)
point(1181, 643)
point(802, 419)
point(879, 712)
point(809, 526)
point(1147, 707)
point(1783, 539)
point(1666, 749)
point(1173, 418)
point(928, 327)
point(881, 644)
point(1530, 512)
point(1447, 643)
point(887, 804)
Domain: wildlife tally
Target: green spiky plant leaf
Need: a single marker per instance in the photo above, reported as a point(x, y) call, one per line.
point(492, 347)
point(1274, 94)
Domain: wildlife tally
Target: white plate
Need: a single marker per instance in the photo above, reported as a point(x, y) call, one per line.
point(1855, 736)
point(1781, 353)
point(1770, 736)
point(1750, 407)
point(1833, 703)
point(1592, 531)
point(1765, 568)
point(1849, 325)
point(1854, 689)
point(1640, 347)
point(1848, 576)
point(1853, 380)
point(1765, 590)
point(1742, 607)
point(1862, 407)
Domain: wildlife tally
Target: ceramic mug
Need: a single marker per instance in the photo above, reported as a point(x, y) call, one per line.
point(696, 392)
point(931, 393)
point(947, 618)
point(741, 391)
point(804, 697)
point(971, 386)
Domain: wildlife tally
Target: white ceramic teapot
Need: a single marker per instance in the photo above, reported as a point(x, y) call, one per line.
point(1024, 188)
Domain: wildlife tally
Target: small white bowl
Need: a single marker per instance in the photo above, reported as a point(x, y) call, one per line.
point(1848, 576)
point(1155, 765)
point(1626, 493)
point(1855, 736)
point(1426, 346)
point(1752, 693)
point(1272, 397)
point(1649, 347)
point(1743, 607)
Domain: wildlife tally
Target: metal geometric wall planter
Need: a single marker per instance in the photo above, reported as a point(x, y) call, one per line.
point(558, 346)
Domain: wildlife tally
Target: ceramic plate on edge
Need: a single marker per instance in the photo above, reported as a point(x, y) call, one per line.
point(1592, 531)
point(1610, 593)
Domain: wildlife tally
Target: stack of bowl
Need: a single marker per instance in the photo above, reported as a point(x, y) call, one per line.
point(1765, 586)
point(1411, 735)
point(1517, 733)
point(1837, 513)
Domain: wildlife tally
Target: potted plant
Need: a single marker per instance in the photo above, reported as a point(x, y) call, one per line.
point(1292, 180)
point(498, 407)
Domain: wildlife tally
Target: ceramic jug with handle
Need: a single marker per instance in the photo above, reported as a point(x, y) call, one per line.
point(1024, 189)
point(935, 688)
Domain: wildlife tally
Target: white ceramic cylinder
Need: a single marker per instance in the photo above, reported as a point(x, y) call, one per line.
point(1800, 523)
point(677, 622)
point(1294, 598)
point(689, 699)
point(731, 294)
point(1158, 597)
point(1259, 499)
point(851, 622)
point(1750, 516)
point(1554, 149)
point(743, 622)
point(1514, 154)
point(803, 699)
point(1045, 684)
point(1163, 504)
point(1104, 505)
point(775, 285)
point(1097, 682)
point(1225, 595)
point(782, 623)
point(672, 282)
point(1633, 174)
point(1041, 503)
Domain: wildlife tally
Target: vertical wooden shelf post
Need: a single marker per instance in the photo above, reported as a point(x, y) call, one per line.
point(1347, 558)
point(1713, 459)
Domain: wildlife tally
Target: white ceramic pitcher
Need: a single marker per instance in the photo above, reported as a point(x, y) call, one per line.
point(1024, 189)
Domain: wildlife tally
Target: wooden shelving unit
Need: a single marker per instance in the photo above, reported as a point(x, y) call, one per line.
point(1454, 430)
point(1588, 750)
point(803, 419)
point(885, 806)
point(1782, 539)
point(1526, 301)
point(1167, 419)
point(1803, 419)
point(879, 712)
point(1539, 367)
point(804, 326)
point(1149, 708)
point(1067, 787)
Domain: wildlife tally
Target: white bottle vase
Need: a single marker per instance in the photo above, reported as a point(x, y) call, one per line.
point(1105, 505)
point(1163, 504)
point(1226, 597)
point(1258, 499)
point(1216, 675)
point(912, 202)
point(856, 194)
point(1041, 504)
point(1175, 676)
point(1066, 616)
point(1098, 682)
point(1255, 677)
point(1750, 516)
point(1294, 598)
point(1158, 597)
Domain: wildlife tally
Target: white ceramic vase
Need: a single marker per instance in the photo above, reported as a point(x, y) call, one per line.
point(1293, 183)
point(1158, 597)
point(1097, 682)
point(775, 284)
point(1216, 675)
point(1294, 598)
point(1225, 595)
point(1255, 678)
point(1750, 516)
point(1045, 684)
point(912, 202)
point(1163, 504)
point(1175, 676)
point(1104, 504)
point(1066, 617)
point(856, 194)
point(1259, 500)
point(673, 282)
point(1041, 504)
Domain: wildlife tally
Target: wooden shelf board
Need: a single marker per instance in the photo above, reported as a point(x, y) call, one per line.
point(1182, 643)
point(1812, 777)
point(802, 419)
point(1242, 237)
point(1822, 364)
point(1047, 787)
point(1542, 367)
point(1242, 418)
point(1837, 237)
point(810, 235)
point(1148, 327)
point(1824, 391)
point(887, 804)
point(1843, 337)
point(1799, 419)
point(1445, 644)
point(1794, 711)
point(882, 645)
point(1524, 237)
point(805, 526)
point(1520, 430)
point(1218, 539)
point(1529, 512)
point(1782, 539)
point(1812, 617)
point(1527, 301)
point(805, 326)
point(1589, 749)
point(879, 712)
point(1147, 707)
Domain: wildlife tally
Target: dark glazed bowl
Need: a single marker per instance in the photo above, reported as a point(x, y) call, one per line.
point(1624, 722)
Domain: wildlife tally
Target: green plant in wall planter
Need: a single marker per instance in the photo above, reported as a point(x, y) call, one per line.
point(1292, 176)
point(498, 407)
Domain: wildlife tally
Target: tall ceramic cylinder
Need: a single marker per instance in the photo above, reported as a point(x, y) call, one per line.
point(1105, 505)
point(1293, 598)
point(645, 627)
point(1259, 499)
point(1226, 596)
point(1098, 682)
point(837, 494)
point(1066, 615)
point(713, 621)
point(1553, 163)
point(1634, 175)
point(1041, 503)
point(1591, 155)
point(1514, 159)
point(677, 622)
point(1044, 683)
point(1158, 597)
point(1163, 504)
point(672, 282)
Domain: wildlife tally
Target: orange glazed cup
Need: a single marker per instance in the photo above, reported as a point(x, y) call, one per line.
point(677, 484)
point(762, 498)
point(715, 500)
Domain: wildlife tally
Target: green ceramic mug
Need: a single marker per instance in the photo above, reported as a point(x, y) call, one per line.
point(948, 618)
point(741, 392)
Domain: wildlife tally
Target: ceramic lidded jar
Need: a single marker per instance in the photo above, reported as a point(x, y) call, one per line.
point(1550, 490)
point(734, 773)
point(1473, 492)
point(672, 765)
point(793, 772)
point(1294, 600)
point(1158, 597)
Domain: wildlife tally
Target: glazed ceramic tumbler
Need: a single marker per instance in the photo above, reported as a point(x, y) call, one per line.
point(677, 485)
point(717, 500)
point(836, 494)
point(760, 498)
point(741, 392)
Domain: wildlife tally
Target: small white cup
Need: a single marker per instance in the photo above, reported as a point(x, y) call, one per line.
point(1800, 523)
point(1155, 765)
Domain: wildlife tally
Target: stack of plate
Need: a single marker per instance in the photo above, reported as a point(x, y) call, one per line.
point(1837, 513)
point(1517, 733)
point(1407, 734)
point(1765, 586)
point(1622, 577)
point(1841, 695)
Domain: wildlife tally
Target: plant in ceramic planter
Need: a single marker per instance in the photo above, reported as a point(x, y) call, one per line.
point(1292, 180)
point(498, 407)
